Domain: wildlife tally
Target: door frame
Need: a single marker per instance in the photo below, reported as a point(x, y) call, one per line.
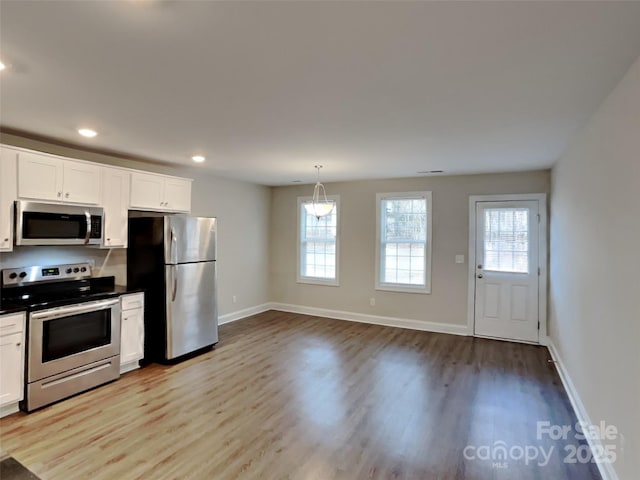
point(543, 257)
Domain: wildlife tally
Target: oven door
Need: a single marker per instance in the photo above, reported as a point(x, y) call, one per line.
point(51, 224)
point(64, 338)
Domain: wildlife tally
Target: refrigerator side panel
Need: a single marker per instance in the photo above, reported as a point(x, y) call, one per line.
point(145, 270)
point(189, 239)
point(192, 311)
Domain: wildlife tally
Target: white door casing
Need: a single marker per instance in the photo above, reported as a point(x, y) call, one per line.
point(507, 269)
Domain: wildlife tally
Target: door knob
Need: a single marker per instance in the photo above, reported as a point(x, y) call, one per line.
point(480, 265)
point(480, 275)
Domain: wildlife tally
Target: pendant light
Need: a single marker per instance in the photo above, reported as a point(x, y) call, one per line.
point(319, 206)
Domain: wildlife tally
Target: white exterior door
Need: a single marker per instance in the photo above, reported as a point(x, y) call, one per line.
point(507, 270)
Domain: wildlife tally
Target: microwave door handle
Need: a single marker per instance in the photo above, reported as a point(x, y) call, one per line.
point(88, 235)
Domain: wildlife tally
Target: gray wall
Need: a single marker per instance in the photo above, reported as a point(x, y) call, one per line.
point(447, 302)
point(241, 208)
point(595, 266)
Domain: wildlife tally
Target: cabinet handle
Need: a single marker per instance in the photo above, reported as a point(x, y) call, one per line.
point(18, 344)
point(67, 195)
point(59, 194)
point(6, 239)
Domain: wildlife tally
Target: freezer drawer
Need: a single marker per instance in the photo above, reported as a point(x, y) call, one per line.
point(192, 313)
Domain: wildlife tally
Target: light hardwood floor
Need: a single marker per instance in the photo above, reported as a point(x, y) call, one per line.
point(300, 397)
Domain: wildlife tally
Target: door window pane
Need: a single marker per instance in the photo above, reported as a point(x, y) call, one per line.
point(506, 240)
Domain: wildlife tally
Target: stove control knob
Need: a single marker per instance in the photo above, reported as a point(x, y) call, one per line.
point(23, 274)
point(83, 269)
point(13, 275)
point(76, 270)
point(68, 270)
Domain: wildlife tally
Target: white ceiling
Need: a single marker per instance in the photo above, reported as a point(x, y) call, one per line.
point(268, 89)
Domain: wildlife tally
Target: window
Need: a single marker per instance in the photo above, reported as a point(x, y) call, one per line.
point(403, 259)
point(318, 245)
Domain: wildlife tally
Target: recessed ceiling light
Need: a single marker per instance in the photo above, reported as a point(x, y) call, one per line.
point(2, 66)
point(87, 132)
point(198, 158)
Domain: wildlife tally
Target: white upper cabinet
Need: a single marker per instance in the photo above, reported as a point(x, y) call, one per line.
point(39, 176)
point(7, 197)
point(160, 193)
point(45, 177)
point(115, 200)
point(177, 194)
point(81, 182)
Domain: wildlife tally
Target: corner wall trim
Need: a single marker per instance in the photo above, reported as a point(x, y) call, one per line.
point(606, 469)
point(246, 312)
point(408, 323)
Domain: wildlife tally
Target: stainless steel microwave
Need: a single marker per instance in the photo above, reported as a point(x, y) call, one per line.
point(53, 224)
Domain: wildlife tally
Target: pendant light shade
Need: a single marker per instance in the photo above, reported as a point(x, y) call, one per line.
point(319, 206)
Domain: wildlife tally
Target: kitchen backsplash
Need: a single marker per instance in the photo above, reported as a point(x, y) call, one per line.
point(102, 262)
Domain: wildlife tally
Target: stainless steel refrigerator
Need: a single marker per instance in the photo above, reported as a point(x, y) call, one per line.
point(173, 259)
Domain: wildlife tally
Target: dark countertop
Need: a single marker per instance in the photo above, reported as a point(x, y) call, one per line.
point(124, 290)
point(8, 308)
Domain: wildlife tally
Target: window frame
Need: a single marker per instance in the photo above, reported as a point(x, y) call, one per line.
point(400, 287)
point(333, 282)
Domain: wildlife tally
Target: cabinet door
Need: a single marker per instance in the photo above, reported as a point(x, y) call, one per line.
point(39, 176)
point(147, 191)
point(131, 336)
point(8, 181)
point(81, 182)
point(11, 368)
point(115, 200)
point(177, 194)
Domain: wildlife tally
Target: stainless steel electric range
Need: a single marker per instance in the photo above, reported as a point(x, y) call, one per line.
point(73, 329)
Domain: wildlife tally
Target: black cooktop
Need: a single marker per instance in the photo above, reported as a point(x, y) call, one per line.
point(57, 294)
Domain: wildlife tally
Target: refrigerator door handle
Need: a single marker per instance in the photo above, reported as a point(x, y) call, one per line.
point(174, 246)
point(174, 275)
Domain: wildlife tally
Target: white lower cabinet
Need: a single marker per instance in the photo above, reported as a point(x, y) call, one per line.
point(12, 331)
point(131, 331)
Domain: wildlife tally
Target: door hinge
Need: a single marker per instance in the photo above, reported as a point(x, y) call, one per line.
point(538, 215)
point(538, 324)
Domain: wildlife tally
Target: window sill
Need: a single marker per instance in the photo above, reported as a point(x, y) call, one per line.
point(318, 281)
point(403, 289)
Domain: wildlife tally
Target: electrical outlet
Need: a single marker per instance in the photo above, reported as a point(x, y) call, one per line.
point(372, 301)
point(234, 298)
point(459, 258)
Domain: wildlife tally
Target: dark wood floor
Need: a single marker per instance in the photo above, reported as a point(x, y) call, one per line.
point(300, 397)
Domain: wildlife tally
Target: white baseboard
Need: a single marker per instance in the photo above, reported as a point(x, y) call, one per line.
point(240, 314)
point(373, 319)
point(128, 367)
point(607, 470)
point(9, 409)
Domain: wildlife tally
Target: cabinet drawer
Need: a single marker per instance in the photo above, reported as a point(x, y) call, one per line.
point(130, 302)
point(11, 324)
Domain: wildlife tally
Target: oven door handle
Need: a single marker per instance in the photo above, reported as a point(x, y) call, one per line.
point(73, 310)
point(88, 235)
